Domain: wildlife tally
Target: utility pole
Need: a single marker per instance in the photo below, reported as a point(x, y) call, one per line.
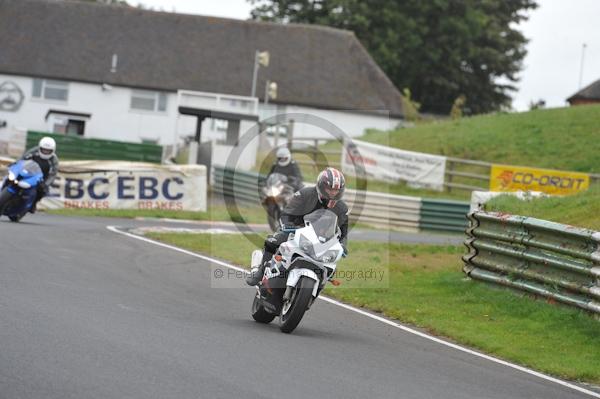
point(581, 66)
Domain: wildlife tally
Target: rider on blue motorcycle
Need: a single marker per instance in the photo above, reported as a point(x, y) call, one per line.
point(327, 194)
point(45, 156)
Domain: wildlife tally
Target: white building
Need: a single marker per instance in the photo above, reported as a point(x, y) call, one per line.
point(114, 72)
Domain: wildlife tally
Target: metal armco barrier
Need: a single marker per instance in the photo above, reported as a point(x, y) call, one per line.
point(443, 215)
point(553, 260)
point(384, 210)
point(72, 147)
point(378, 209)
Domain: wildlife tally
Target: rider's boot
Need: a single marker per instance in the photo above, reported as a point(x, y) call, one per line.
point(257, 270)
point(38, 198)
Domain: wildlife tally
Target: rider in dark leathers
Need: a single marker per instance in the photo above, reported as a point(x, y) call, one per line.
point(326, 194)
point(286, 166)
point(45, 156)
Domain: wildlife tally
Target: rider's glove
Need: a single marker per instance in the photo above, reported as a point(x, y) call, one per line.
point(345, 250)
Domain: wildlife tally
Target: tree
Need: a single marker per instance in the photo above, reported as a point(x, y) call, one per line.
point(108, 2)
point(440, 49)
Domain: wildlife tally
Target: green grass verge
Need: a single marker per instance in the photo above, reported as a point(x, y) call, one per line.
point(560, 138)
point(252, 214)
point(581, 210)
point(427, 289)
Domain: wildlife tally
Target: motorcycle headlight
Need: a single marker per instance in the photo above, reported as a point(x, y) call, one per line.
point(329, 256)
point(11, 176)
point(275, 191)
point(24, 184)
point(306, 246)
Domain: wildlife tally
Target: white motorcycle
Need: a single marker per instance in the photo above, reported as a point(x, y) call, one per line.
point(297, 274)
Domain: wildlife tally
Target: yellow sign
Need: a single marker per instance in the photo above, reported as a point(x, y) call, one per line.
point(517, 178)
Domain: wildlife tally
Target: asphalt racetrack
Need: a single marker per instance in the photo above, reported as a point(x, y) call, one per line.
point(89, 313)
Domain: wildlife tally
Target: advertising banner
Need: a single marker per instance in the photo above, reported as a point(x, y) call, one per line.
point(128, 185)
point(517, 178)
point(394, 165)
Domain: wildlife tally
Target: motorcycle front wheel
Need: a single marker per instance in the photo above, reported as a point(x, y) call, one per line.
point(273, 215)
point(5, 198)
point(16, 219)
point(293, 310)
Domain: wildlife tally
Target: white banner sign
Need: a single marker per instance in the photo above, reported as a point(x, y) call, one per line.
point(128, 185)
point(394, 165)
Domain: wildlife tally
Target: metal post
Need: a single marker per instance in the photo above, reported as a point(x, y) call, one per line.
point(195, 144)
point(315, 155)
point(255, 74)
point(290, 134)
point(450, 175)
point(193, 153)
point(267, 92)
point(198, 129)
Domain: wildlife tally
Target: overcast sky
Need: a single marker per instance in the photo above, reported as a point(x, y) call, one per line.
point(557, 30)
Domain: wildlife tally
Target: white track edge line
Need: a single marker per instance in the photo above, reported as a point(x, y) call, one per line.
point(375, 317)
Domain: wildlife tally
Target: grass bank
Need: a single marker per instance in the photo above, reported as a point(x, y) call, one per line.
point(559, 138)
point(424, 287)
point(582, 210)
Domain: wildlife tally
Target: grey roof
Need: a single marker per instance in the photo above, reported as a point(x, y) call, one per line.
point(313, 66)
point(590, 92)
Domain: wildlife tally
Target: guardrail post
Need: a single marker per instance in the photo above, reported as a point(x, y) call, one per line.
point(596, 269)
point(450, 175)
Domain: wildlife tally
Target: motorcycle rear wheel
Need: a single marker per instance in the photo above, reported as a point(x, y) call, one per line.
point(259, 313)
point(292, 312)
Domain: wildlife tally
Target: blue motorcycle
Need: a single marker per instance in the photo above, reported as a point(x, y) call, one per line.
point(19, 189)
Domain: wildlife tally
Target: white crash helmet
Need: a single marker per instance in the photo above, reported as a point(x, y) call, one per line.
point(47, 147)
point(284, 156)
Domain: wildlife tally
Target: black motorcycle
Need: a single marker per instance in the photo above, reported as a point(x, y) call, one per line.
point(275, 194)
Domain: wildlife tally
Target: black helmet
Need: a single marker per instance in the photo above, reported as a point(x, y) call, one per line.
point(331, 185)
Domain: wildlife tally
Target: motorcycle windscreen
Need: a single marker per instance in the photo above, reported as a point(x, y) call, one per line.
point(323, 222)
point(30, 169)
point(275, 179)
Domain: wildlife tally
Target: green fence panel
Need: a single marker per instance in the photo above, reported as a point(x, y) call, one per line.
point(78, 148)
point(243, 186)
point(443, 215)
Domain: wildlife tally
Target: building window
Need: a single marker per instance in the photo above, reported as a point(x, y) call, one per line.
point(219, 125)
point(148, 100)
point(50, 89)
point(67, 122)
